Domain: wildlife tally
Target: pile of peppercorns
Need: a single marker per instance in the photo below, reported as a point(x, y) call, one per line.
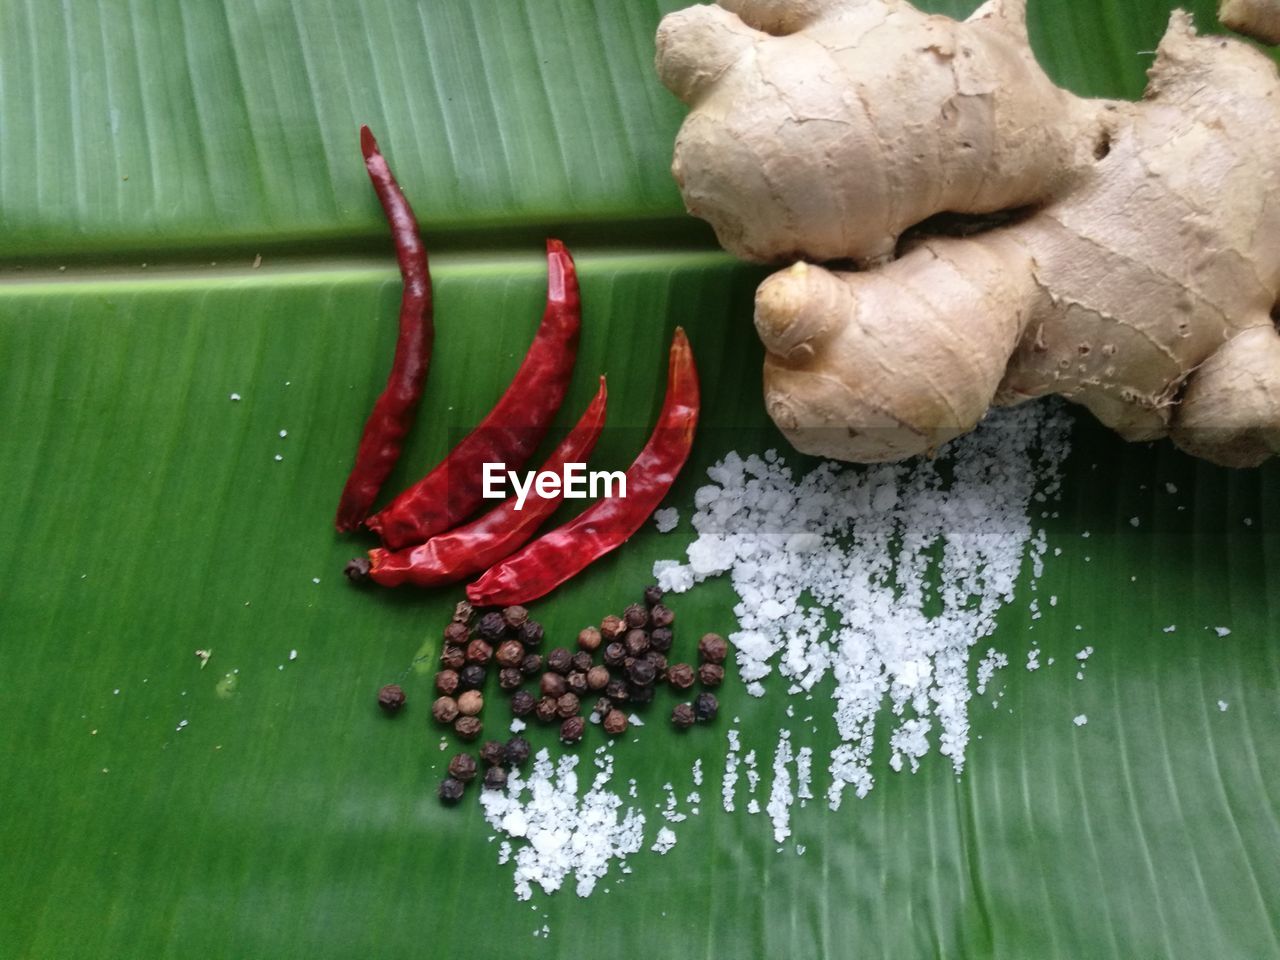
point(497, 756)
point(633, 649)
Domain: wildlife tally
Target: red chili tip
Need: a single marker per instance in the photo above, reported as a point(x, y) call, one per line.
point(368, 145)
point(554, 245)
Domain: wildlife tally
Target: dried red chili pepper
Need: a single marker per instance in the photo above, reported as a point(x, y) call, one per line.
point(474, 547)
point(509, 434)
point(552, 559)
point(394, 411)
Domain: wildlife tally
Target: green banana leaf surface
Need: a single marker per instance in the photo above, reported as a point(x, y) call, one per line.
point(185, 217)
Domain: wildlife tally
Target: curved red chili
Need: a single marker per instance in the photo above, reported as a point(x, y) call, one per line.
point(509, 434)
point(474, 547)
point(394, 411)
point(552, 559)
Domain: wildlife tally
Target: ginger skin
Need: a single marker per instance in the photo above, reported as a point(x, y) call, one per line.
point(1139, 276)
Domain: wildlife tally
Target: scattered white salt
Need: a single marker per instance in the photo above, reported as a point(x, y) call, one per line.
point(1079, 674)
point(635, 721)
point(1084, 654)
point(780, 793)
point(1222, 705)
point(1170, 488)
point(804, 774)
point(1080, 720)
point(835, 570)
point(283, 434)
point(1134, 521)
point(729, 782)
point(235, 397)
point(1033, 659)
point(665, 840)
point(315, 579)
point(279, 458)
point(293, 654)
point(517, 725)
point(1222, 631)
point(666, 519)
point(697, 772)
point(753, 774)
point(987, 667)
point(1170, 628)
point(555, 832)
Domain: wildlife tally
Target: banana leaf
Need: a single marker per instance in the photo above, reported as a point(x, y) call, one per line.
point(186, 218)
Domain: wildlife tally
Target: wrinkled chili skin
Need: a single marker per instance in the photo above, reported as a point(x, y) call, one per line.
point(393, 413)
point(509, 434)
point(556, 557)
point(474, 547)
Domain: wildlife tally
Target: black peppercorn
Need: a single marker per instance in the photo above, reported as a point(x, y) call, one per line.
point(589, 639)
point(660, 639)
point(456, 634)
point(493, 752)
point(531, 664)
point(553, 685)
point(712, 648)
point(391, 698)
point(602, 707)
point(661, 616)
point(576, 682)
point(530, 633)
point(659, 662)
point(640, 693)
point(568, 706)
point(509, 678)
point(597, 677)
point(705, 706)
point(447, 682)
point(453, 658)
point(445, 710)
point(462, 612)
point(471, 676)
point(636, 615)
point(491, 627)
point(357, 569)
point(509, 654)
point(711, 674)
point(571, 730)
point(451, 790)
point(545, 709)
point(471, 703)
point(682, 716)
point(468, 728)
point(560, 660)
point(515, 617)
point(463, 767)
point(478, 651)
point(517, 751)
point(495, 778)
point(614, 654)
point(652, 595)
point(637, 642)
point(522, 703)
point(581, 661)
point(680, 676)
point(642, 672)
point(615, 722)
point(617, 691)
point(611, 627)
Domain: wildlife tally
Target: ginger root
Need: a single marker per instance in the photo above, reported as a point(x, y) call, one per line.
point(1135, 267)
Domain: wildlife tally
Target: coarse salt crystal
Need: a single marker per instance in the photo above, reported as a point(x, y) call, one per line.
point(1080, 720)
point(666, 519)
